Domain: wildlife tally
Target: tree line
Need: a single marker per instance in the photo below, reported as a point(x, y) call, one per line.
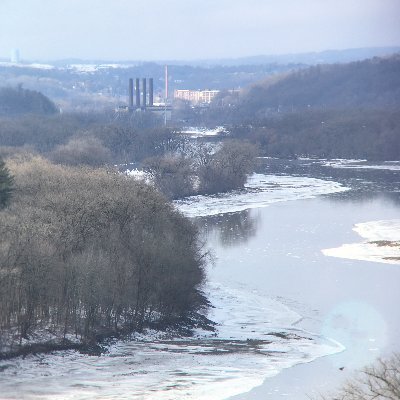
point(86, 251)
point(362, 134)
point(179, 168)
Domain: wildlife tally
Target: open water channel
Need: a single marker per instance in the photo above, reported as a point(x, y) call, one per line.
point(291, 282)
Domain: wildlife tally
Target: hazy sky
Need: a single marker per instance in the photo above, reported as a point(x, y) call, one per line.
point(192, 29)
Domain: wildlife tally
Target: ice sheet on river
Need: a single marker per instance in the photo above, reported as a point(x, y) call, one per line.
point(381, 244)
point(260, 191)
point(255, 339)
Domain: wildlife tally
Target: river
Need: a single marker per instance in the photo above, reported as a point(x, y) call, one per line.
point(290, 284)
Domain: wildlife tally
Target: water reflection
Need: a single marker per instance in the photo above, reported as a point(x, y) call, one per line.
point(230, 229)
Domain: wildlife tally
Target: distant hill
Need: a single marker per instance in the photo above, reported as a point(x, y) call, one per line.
point(311, 58)
point(373, 83)
point(15, 101)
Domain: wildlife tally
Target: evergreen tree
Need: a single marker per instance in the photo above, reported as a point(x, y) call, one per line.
point(6, 185)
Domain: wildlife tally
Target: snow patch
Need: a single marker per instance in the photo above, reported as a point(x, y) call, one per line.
point(139, 175)
point(95, 67)
point(33, 65)
point(195, 132)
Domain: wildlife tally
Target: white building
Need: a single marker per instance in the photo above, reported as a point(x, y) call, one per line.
point(195, 96)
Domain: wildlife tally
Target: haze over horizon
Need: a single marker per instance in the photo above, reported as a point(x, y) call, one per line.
point(182, 30)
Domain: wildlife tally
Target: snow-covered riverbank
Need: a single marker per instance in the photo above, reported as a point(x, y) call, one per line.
point(255, 339)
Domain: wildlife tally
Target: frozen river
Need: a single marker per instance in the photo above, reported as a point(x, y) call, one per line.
point(283, 289)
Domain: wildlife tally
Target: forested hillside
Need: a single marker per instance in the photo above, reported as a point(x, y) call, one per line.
point(15, 101)
point(130, 136)
point(369, 84)
point(349, 110)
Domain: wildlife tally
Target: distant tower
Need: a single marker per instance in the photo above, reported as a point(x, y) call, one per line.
point(166, 95)
point(166, 83)
point(15, 56)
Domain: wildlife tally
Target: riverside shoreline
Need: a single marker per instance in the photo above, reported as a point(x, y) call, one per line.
point(98, 345)
point(302, 382)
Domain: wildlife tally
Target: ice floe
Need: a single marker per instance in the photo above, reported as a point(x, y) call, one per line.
point(260, 191)
point(381, 243)
point(362, 164)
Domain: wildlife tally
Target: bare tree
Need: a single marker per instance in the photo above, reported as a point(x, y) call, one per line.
point(82, 151)
point(381, 381)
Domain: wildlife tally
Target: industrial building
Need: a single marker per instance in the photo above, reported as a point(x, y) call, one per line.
point(196, 97)
point(141, 98)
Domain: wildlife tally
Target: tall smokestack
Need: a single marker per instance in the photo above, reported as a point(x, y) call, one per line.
point(137, 90)
point(151, 92)
point(166, 82)
point(130, 93)
point(144, 92)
